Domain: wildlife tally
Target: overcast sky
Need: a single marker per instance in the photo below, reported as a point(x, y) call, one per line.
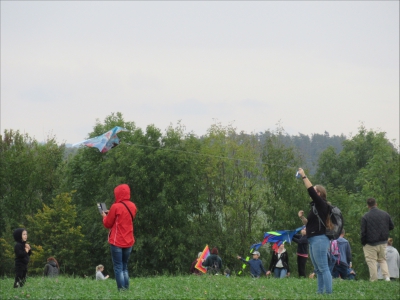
point(310, 66)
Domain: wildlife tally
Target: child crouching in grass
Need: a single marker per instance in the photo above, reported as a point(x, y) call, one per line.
point(99, 274)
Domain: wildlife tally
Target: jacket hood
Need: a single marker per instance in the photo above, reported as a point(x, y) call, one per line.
point(18, 234)
point(122, 192)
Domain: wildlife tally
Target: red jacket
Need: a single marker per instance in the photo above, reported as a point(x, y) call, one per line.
point(119, 219)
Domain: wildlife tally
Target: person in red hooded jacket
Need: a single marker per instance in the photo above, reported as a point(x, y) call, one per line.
point(119, 219)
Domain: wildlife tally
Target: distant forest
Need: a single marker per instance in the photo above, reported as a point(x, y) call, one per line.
point(309, 147)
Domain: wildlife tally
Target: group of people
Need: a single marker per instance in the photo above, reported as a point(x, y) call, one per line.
point(375, 227)
point(119, 220)
point(22, 251)
point(332, 259)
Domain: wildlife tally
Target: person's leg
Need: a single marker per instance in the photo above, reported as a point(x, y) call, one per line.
point(116, 255)
point(371, 258)
point(23, 278)
point(342, 270)
point(316, 271)
point(381, 249)
point(277, 272)
point(126, 252)
point(319, 252)
point(335, 271)
point(332, 261)
point(19, 276)
point(283, 273)
point(301, 264)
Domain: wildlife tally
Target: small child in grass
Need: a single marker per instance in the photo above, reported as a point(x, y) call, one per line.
point(227, 272)
point(256, 266)
point(99, 274)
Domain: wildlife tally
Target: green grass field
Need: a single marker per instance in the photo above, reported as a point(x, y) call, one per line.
point(195, 287)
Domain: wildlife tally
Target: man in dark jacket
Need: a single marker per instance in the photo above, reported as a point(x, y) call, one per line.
point(375, 227)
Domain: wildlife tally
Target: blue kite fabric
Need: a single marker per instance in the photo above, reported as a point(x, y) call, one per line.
point(104, 142)
point(277, 237)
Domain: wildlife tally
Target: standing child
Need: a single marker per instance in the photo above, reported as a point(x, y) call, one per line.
point(256, 266)
point(99, 274)
point(22, 252)
point(302, 252)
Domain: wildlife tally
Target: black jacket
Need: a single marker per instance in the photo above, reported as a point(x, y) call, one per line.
point(213, 261)
point(302, 244)
point(21, 256)
point(375, 227)
point(313, 226)
point(274, 260)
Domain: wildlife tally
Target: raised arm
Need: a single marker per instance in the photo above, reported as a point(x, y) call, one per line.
point(306, 181)
point(302, 217)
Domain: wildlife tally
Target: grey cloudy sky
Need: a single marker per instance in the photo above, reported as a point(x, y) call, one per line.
point(310, 66)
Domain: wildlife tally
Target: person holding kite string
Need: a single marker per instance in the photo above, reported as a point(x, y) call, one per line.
point(316, 233)
point(279, 263)
point(119, 219)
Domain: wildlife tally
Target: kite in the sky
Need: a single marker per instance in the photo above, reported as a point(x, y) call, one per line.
point(203, 256)
point(105, 141)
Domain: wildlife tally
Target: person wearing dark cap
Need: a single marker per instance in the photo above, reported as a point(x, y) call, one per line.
point(22, 252)
point(256, 266)
point(213, 262)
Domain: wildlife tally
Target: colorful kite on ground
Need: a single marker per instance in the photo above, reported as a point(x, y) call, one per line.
point(203, 256)
point(105, 141)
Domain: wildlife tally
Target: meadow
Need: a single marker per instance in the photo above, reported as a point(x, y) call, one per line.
point(195, 287)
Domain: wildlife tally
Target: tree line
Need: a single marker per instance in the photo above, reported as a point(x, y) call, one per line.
point(223, 189)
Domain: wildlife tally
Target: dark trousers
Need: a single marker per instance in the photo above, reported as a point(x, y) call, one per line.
point(301, 265)
point(340, 269)
point(20, 276)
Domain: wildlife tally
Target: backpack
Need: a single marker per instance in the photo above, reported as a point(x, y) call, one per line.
point(336, 219)
point(214, 268)
point(334, 249)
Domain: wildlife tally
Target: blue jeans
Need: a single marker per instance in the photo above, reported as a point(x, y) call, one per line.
point(280, 272)
point(332, 261)
point(120, 257)
point(319, 247)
